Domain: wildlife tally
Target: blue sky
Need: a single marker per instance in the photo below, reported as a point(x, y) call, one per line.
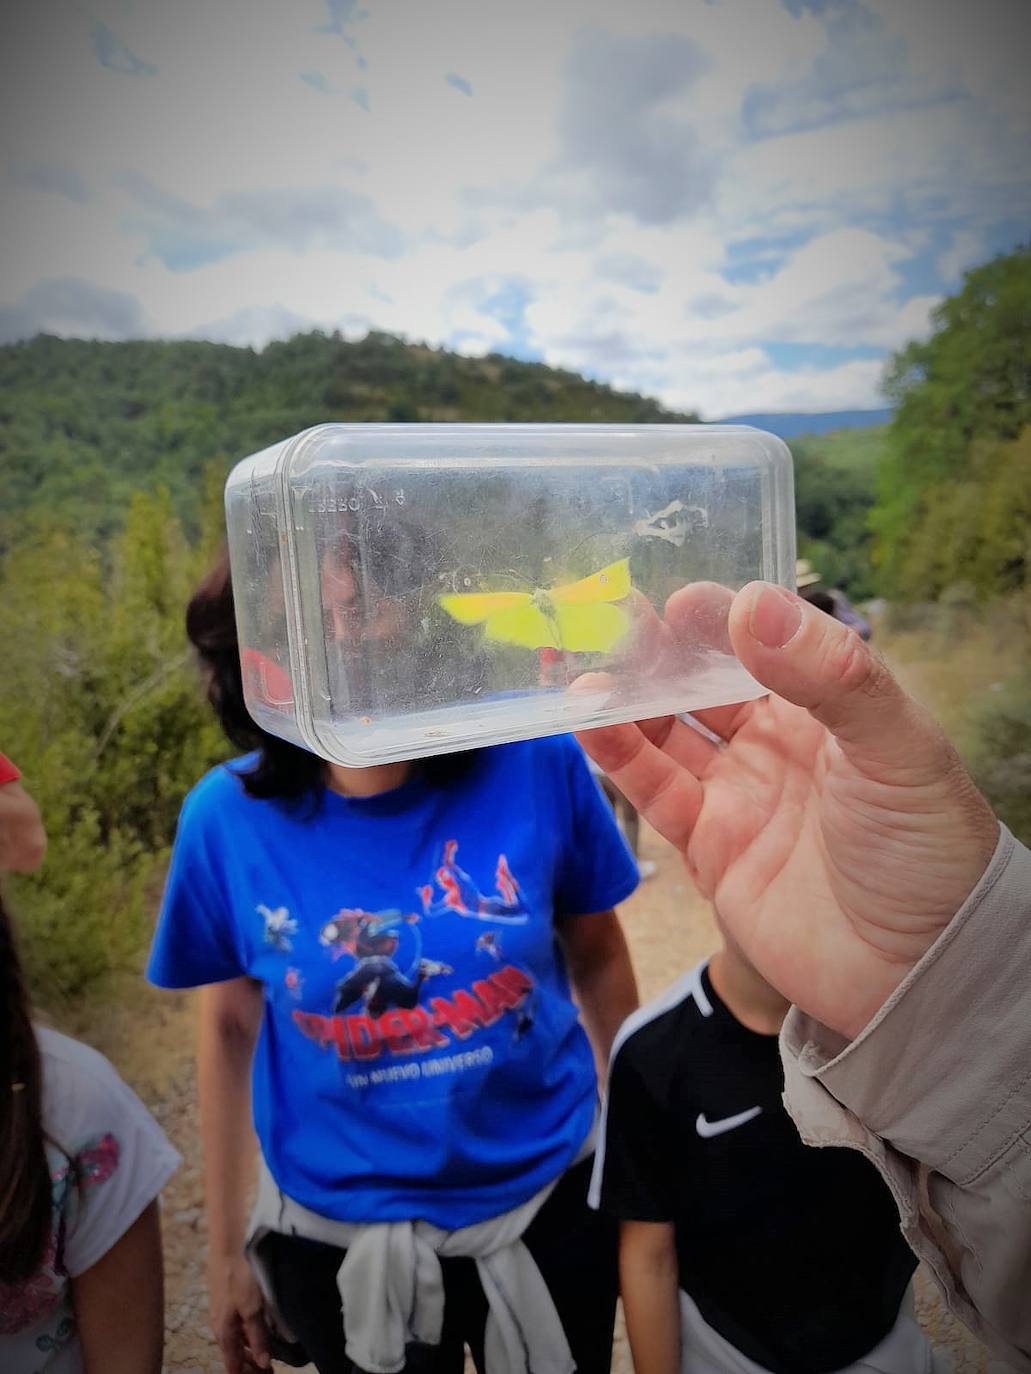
point(736, 205)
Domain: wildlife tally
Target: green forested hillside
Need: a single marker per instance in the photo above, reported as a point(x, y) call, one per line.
point(84, 424)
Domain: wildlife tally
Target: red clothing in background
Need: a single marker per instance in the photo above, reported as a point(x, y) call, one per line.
point(8, 772)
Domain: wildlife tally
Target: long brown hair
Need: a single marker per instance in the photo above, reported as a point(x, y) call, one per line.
point(25, 1200)
point(281, 770)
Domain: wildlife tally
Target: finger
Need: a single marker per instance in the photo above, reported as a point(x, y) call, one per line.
point(230, 1342)
point(594, 682)
point(255, 1330)
point(662, 790)
point(809, 658)
point(697, 616)
point(724, 721)
point(247, 1365)
point(256, 1335)
point(682, 742)
point(677, 738)
point(650, 638)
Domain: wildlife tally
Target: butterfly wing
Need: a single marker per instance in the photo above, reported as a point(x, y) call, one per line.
point(525, 625)
point(592, 628)
point(473, 608)
point(579, 620)
point(611, 583)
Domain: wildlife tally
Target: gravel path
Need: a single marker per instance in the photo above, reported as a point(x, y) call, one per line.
point(151, 1040)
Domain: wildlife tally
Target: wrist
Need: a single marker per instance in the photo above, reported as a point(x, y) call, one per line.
point(225, 1258)
point(851, 1027)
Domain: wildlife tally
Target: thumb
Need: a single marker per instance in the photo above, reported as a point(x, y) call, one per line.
point(809, 658)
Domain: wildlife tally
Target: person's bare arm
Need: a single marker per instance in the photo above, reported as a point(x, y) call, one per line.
point(120, 1303)
point(601, 975)
point(23, 840)
point(230, 1018)
point(649, 1286)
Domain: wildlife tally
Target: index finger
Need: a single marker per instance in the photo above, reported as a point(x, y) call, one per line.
point(664, 791)
point(649, 639)
point(698, 617)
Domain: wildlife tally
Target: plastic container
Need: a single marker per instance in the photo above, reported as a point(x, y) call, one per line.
point(405, 590)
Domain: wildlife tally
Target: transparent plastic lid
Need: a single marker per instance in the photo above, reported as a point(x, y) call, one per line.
point(406, 590)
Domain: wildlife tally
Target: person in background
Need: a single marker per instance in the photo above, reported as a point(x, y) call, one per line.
point(23, 840)
point(828, 599)
point(388, 957)
point(81, 1165)
point(742, 1250)
point(907, 966)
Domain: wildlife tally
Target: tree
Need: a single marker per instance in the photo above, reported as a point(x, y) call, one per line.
point(100, 703)
point(969, 384)
point(834, 493)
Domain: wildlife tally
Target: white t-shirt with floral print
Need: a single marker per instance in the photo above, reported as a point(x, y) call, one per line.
point(109, 1159)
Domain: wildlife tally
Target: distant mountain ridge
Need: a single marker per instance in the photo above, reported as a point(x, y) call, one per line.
point(790, 424)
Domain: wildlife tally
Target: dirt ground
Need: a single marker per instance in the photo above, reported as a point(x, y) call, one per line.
point(150, 1038)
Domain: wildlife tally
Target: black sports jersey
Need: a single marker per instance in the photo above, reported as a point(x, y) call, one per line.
point(792, 1254)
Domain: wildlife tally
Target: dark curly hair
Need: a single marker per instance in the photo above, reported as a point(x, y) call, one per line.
point(283, 770)
point(25, 1204)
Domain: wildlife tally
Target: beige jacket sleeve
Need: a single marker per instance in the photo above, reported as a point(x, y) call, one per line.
point(936, 1091)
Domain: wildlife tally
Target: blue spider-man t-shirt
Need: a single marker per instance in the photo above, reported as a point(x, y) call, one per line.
point(420, 1056)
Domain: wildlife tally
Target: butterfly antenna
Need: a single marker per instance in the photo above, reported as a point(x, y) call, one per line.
point(519, 577)
point(622, 538)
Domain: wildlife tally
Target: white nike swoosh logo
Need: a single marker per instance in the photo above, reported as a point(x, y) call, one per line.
point(710, 1128)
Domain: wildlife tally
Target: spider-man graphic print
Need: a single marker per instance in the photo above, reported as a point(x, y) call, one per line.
point(459, 893)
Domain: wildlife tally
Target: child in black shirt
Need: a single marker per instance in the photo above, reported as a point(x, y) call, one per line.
point(742, 1249)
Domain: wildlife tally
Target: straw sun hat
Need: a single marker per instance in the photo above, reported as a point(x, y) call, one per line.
point(805, 575)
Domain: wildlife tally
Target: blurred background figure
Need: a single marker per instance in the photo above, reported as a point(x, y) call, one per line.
point(23, 840)
point(82, 1164)
point(828, 599)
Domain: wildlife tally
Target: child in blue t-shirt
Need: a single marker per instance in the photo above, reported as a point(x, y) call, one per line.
point(388, 957)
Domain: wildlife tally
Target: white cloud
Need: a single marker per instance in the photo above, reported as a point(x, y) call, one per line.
point(965, 247)
point(838, 290)
point(70, 305)
point(592, 188)
point(756, 385)
point(983, 47)
point(258, 325)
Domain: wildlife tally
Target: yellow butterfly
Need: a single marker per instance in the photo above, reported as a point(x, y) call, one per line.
point(577, 617)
